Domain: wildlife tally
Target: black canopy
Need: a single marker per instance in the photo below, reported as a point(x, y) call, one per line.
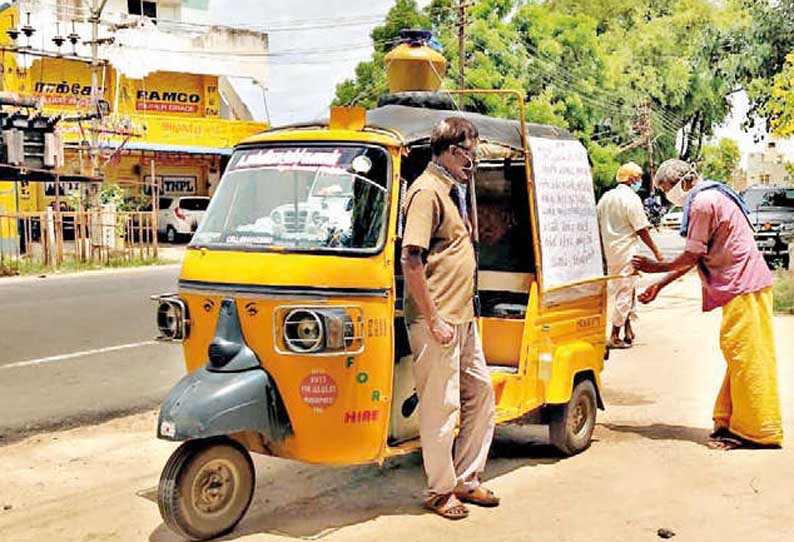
point(415, 124)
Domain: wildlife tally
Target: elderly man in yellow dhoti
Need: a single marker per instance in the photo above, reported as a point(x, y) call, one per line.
point(720, 242)
point(623, 224)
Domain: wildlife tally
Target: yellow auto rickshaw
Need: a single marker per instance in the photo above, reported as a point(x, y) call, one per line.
point(289, 303)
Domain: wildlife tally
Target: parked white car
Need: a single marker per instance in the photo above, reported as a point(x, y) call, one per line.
point(180, 216)
point(672, 219)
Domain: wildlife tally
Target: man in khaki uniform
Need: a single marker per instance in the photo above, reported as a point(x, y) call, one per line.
point(451, 376)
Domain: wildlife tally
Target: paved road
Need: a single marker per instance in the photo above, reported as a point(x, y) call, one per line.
point(648, 468)
point(669, 242)
point(75, 349)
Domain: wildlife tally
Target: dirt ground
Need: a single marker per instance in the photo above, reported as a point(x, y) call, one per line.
point(647, 469)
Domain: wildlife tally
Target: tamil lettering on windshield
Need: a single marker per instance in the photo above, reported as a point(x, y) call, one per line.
point(302, 198)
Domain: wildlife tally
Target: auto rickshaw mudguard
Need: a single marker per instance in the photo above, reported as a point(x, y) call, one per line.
point(572, 362)
point(210, 403)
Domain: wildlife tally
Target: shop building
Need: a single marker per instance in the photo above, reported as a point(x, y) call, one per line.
point(164, 91)
point(768, 166)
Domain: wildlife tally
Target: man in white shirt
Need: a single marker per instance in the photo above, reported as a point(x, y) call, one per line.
point(623, 223)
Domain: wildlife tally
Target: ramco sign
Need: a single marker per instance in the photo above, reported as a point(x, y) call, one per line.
point(167, 101)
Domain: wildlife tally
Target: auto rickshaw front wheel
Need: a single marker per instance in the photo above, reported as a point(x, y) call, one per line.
point(572, 424)
point(206, 487)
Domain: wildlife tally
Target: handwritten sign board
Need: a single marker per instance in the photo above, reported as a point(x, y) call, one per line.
point(568, 224)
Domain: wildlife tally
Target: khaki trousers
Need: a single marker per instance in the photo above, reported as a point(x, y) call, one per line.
point(452, 380)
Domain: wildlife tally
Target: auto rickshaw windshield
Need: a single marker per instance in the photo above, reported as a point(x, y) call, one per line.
point(300, 198)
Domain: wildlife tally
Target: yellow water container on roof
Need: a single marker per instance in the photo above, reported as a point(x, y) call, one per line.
point(414, 66)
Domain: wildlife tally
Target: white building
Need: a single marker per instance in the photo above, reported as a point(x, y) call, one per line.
point(768, 166)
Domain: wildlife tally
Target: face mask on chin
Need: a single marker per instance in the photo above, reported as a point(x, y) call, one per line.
point(677, 195)
point(471, 164)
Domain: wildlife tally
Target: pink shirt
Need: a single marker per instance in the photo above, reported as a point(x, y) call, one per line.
point(730, 263)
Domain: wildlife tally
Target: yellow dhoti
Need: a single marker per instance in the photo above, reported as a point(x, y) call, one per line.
point(748, 403)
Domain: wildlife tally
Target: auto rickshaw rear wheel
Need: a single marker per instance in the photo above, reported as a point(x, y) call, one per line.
point(572, 424)
point(206, 487)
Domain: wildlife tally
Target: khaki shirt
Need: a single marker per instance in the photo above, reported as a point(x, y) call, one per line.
point(433, 222)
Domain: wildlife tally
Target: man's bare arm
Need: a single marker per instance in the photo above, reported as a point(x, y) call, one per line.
point(653, 290)
point(416, 281)
point(684, 261)
point(645, 235)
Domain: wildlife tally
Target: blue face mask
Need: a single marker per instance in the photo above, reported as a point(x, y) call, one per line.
point(637, 186)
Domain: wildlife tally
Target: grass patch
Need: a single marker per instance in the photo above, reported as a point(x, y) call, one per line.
point(784, 291)
point(31, 267)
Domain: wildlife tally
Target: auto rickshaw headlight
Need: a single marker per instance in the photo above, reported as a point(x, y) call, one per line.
point(310, 330)
point(303, 331)
point(172, 319)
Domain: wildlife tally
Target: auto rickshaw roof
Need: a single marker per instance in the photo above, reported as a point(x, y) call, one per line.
point(414, 125)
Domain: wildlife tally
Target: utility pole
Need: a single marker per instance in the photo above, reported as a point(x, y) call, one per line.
point(648, 135)
point(461, 49)
point(96, 13)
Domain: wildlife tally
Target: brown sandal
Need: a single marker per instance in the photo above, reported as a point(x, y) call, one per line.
point(617, 344)
point(724, 443)
point(480, 496)
point(447, 506)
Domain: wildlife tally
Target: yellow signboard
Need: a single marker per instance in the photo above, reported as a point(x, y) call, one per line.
point(176, 132)
point(63, 84)
point(180, 94)
point(66, 85)
point(8, 207)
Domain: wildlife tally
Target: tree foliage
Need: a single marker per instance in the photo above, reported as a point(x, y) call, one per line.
point(720, 161)
point(609, 71)
point(781, 100)
point(761, 45)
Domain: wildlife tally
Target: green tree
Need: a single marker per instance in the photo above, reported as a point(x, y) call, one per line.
point(720, 161)
point(780, 107)
point(671, 54)
point(761, 46)
point(370, 80)
point(602, 69)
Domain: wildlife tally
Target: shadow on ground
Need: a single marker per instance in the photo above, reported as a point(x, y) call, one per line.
point(661, 431)
point(314, 501)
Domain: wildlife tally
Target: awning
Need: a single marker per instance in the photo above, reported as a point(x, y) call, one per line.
point(162, 147)
point(21, 173)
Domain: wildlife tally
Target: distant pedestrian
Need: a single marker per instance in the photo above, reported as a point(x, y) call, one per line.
point(720, 241)
point(623, 224)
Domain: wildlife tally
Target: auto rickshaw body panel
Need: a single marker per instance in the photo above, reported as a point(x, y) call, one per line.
point(344, 407)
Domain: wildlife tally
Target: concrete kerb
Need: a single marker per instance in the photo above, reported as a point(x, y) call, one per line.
point(171, 255)
point(65, 275)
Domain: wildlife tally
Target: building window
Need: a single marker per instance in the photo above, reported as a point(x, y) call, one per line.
point(141, 7)
point(764, 179)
